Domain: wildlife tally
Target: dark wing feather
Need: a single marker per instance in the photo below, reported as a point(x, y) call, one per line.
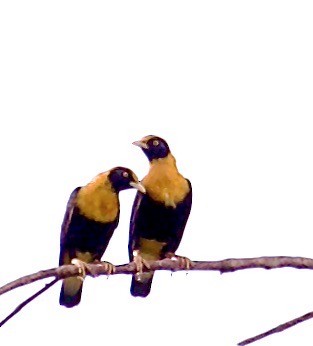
point(133, 237)
point(182, 215)
point(67, 221)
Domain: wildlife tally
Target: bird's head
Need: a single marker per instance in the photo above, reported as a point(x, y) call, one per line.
point(154, 147)
point(122, 178)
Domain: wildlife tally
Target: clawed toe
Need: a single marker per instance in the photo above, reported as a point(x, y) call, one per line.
point(140, 264)
point(109, 268)
point(81, 265)
point(184, 262)
point(84, 267)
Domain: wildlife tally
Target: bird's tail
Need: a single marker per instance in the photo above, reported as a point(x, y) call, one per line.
point(71, 292)
point(141, 284)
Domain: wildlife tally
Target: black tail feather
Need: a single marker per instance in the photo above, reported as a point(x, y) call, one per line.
point(140, 288)
point(70, 300)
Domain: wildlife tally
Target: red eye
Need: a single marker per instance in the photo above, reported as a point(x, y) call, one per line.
point(125, 174)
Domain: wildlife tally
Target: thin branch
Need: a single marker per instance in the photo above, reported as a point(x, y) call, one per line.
point(277, 329)
point(27, 301)
point(224, 266)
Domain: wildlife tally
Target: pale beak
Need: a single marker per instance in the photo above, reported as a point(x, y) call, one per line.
point(141, 144)
point(138, 186)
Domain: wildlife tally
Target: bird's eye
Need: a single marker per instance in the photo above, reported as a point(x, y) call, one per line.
point(155, 142)
point(125, 174)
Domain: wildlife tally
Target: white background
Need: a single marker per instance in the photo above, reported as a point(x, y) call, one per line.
point(229, 85)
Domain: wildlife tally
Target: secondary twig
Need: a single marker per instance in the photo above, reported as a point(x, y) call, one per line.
point(278, 329)
point(27, 301)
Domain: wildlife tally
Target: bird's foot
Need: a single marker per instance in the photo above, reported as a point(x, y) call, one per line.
point(82, 266)
point(108, 267)
point(140, 263)
point(183, 262)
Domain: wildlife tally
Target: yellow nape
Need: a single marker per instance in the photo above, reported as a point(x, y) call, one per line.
point(97, 200)
point(150, 249)
point(164, 183)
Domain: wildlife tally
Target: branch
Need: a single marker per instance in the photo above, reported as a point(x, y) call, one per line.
point(27, 301)
point(277, 329)
point(224, 266)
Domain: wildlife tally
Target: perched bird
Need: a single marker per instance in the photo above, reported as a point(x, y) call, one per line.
point(160, 215)
point(90, 219)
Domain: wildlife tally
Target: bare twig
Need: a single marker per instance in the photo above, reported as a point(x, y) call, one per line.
point(277, 329)
point(27, 301)
point(224, 266)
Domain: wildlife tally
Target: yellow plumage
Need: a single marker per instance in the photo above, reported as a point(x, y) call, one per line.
point(97, 200)
point(150, 249)
point(164, 183)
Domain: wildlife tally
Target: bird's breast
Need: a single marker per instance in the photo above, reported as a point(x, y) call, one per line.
point(101, 205)
point(169, 190)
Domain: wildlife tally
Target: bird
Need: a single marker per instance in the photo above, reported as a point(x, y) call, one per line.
point(92, 215)
point(159, 216)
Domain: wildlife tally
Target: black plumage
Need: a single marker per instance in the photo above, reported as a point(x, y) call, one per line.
point(159, 217)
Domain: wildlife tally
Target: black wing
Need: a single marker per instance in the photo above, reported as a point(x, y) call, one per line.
point(182, 212)
point(133, 237)
point(66, 222)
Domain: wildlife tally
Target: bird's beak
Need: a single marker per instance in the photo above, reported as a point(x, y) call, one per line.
point(141, 144)
point(138, 186)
